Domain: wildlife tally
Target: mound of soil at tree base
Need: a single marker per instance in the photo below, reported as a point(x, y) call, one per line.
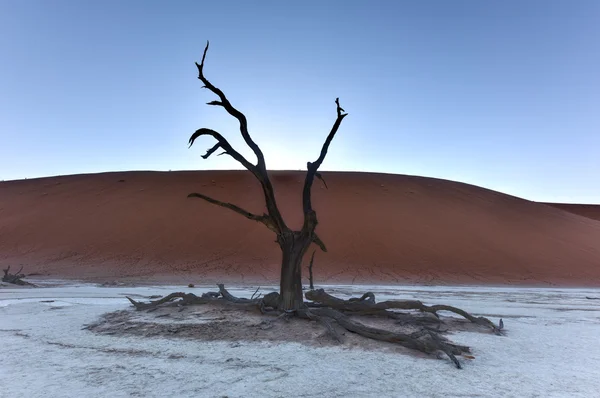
point(378, 228)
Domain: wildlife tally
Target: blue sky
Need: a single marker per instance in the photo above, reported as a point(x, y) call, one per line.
point(504, 95)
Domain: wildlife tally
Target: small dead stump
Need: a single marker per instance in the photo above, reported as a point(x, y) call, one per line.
point(15, 279)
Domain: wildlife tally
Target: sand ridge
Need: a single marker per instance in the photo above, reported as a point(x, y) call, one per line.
point(379, 228)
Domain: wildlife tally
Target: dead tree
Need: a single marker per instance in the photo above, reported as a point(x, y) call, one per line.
point(293, 244)
point(333, 313)
point(16, 279)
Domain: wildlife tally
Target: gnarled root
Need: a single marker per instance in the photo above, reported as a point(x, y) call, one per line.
point(222, 297)
point(186, 299)
point(334, 313)
point(366, 305)
point(425, 341)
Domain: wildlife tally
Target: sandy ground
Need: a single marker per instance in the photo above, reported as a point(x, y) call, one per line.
point(378, 228)
point(550, 350)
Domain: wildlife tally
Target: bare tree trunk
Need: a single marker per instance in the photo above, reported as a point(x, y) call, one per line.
point(293, 247)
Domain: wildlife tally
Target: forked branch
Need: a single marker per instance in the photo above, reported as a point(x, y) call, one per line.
point(224, 102)
point(313, 167)
point(259, 170)
point(317, 241)
point(274, 220)
point(223, 144)
point(310, 216)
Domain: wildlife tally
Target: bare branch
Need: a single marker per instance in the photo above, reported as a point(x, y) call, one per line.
point(320, 177)
point(310, 218)
point(256, 295)
point(310, 271)
point(340, 116)
point(319, 242)
point(211, 150)
point(224, 144)
point(259, 170)
point(231, 110)
point(265, 219)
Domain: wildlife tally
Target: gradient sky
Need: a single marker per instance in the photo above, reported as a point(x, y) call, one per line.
point(501, 94)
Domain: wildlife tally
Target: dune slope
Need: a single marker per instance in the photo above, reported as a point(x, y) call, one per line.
point(590, 211)
point(379, 228)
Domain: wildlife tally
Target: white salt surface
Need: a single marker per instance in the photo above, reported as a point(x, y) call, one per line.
point(551, 349)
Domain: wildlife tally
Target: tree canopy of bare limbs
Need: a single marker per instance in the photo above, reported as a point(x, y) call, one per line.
point(333, 313)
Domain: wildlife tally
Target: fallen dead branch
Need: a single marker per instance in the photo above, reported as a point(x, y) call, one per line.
point(336, 314)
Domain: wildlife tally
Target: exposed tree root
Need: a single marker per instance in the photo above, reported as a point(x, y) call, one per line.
point(425, 341)
point(367, 305)
point(334, 313)
point(16, 279)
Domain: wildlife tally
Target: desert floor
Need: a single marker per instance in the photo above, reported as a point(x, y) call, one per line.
point(550, 349)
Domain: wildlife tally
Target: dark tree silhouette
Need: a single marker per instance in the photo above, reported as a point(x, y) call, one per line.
point(310, 271)
point(420, 329)
point(293, 244)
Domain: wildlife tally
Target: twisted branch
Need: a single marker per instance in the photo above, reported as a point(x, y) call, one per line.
point(313, 167)
point(223, 144)
point(260, 169)
point(224, 102)
point(310, 216)
point(265, 219)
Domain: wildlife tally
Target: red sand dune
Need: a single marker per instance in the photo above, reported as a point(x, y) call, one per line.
point(379, 228)
point(590, 211)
